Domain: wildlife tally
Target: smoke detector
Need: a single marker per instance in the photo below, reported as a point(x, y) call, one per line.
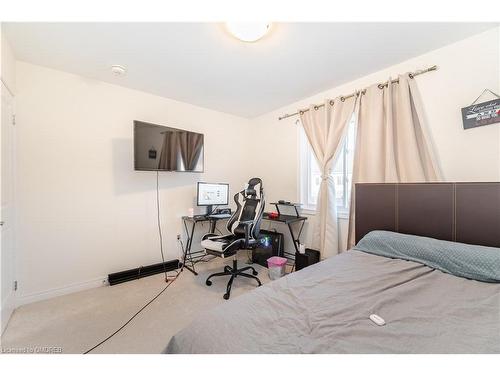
point(118, 70)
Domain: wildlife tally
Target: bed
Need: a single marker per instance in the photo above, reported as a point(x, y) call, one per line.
point(427, 261)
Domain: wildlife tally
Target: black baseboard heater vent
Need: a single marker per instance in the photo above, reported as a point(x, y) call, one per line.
point(144, 271)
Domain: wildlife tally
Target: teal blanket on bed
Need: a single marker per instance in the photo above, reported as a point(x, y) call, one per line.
point(470, 261)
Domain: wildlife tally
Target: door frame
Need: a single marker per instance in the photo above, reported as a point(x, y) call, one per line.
point(9, 304)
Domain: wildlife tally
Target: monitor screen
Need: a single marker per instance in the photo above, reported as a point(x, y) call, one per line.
point(212, 194)
point(162, 148)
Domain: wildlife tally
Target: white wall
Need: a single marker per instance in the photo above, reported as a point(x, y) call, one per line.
point(7, 266)
point(466, 68)
point(83, 211)
point(8, 63)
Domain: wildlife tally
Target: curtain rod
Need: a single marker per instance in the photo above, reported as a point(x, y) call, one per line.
point(380, 86)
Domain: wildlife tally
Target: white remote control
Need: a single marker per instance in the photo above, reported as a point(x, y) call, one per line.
point(377, 320)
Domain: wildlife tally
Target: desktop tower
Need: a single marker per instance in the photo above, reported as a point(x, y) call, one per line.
point(270, 244)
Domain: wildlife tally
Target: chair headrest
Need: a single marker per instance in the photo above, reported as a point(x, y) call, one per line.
point(250, 192)
point(250, 188)
point(254, 181)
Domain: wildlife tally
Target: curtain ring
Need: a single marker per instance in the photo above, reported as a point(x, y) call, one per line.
point(331, 102)
point(342, 99)
point(316, 107)
point(381, 86)
point(301, 112)
point(411, 75)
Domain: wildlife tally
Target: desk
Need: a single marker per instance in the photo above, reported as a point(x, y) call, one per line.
point(196, 256)
point(289, 220)
point(190, 222)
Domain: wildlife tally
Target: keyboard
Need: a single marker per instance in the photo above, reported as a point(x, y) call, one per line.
point(220, 216)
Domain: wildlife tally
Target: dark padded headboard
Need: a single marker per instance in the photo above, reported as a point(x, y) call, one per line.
point(466, 212)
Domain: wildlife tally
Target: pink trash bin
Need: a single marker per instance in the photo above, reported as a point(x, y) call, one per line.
point(276, 266)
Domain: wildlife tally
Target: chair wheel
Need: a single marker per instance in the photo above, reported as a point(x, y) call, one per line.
point(208, 282)
point(255, 273)
point(226, 296)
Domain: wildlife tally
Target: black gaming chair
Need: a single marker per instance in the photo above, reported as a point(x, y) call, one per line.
point(244, 226)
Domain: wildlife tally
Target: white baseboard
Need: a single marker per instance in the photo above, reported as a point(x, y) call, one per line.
point(56, 292)
point(6, 310)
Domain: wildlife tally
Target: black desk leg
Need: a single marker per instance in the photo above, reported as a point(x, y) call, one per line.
point(187, 250)
point(300, 231)
point(213, 224)
point(296, 241)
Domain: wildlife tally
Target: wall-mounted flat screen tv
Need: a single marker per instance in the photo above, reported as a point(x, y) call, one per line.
point(162, 148)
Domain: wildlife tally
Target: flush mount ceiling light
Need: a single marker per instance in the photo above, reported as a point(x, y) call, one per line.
point(118, 70)
point(248, 31)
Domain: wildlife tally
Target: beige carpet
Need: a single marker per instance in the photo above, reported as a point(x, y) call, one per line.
point(78, 321)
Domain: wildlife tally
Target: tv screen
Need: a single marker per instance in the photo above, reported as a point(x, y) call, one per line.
point(162, 148)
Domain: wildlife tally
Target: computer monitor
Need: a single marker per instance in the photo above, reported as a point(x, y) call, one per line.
point(212, 194)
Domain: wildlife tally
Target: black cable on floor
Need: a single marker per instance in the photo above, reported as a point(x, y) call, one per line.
point(133, 316)
point(164, 270)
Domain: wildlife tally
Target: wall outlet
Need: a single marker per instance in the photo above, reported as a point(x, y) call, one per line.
point(15, 286)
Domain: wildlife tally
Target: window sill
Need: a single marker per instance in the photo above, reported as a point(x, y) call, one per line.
point(343, 215)
point(307, 211)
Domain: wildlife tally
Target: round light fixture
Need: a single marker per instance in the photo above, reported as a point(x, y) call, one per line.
point(118, 70)
point(248, 31)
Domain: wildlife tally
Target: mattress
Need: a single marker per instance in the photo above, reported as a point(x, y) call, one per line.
point(325, 308)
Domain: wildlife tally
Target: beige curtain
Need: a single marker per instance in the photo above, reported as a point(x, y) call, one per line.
point(169, 154)
point(191, 145)
point(325, 127)
point(392, 142)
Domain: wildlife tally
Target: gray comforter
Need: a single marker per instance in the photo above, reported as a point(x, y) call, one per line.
point(325, 308)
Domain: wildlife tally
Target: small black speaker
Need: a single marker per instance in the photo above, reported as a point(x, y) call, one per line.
point(303, 260)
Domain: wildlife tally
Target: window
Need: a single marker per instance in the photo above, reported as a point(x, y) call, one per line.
point(310, 175)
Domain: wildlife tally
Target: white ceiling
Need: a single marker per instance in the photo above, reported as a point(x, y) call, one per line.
point(201, 64)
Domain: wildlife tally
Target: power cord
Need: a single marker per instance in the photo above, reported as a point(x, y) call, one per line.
point(133, 316)
point(164, 270)
point(159, 223)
